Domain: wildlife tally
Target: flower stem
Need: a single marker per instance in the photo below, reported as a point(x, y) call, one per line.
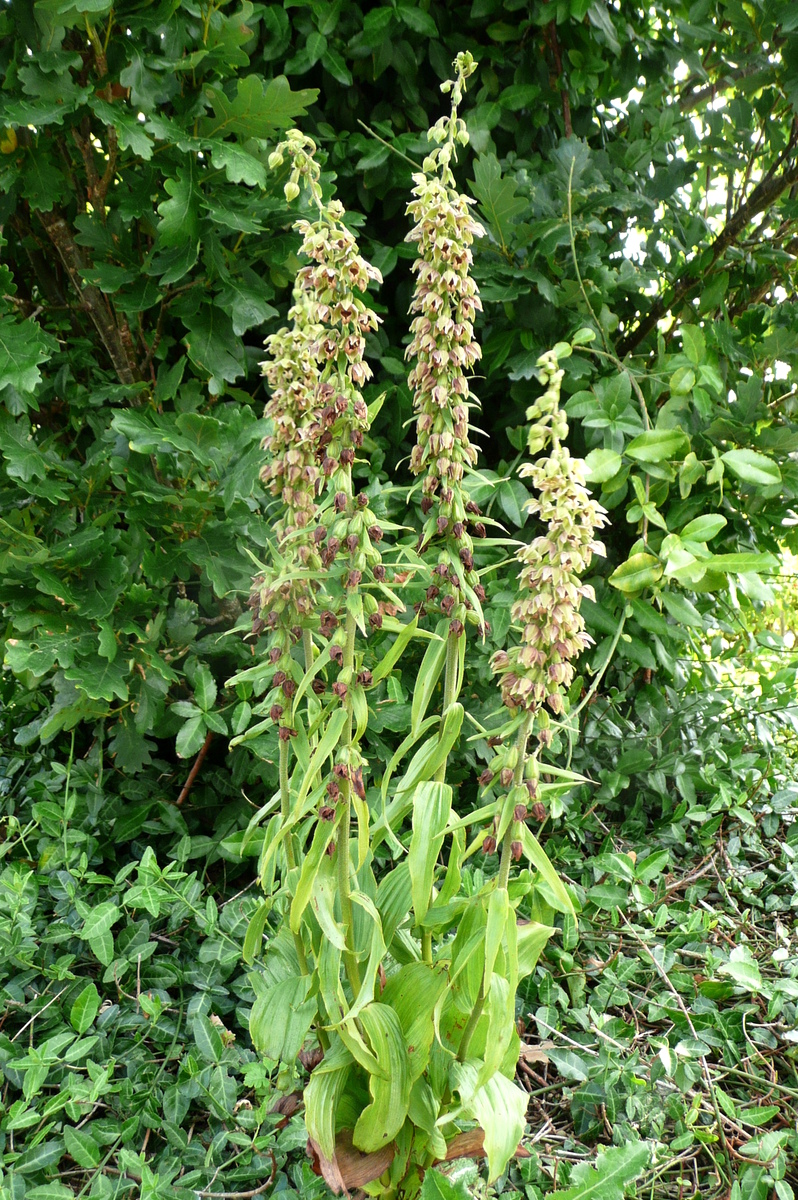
point(350, 958)
point(285, 803)
point(451, 687)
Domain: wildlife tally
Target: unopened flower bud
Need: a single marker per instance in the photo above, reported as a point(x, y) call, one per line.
point(333, 790)
point(340, 501)
point(538, 811)
point(489, 845)
point(506, 776)
point(276, 711)
point(486, 778)
point(318, 687)
point(375, 620)
point(519, 812)
point(516, 850)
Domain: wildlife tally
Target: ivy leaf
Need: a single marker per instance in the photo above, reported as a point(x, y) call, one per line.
point(256, 110)
point(497, 197)
point(23, 346)
point(213, 347)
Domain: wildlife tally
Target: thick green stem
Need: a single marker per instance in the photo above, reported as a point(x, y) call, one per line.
point(285, 803)
point(451, 687)
point(307, 646)
point(350, 959)
point(502, 881)
point(288, 841)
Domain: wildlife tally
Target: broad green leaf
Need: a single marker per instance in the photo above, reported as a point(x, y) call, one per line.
point(24, 345)
point(213, 347)
point(437, 1186)
point(658, 445)
point(540, 860)
point(682, 610)
point(413, 992)
point(498, 912)
point(638, 572)
point(190, 737)
point(323, 1094)
point(382, 1119)
point(208, 1039)
point(752, 467)
point(499, 1107)
point(703, 529)
point(85, 1008)
point(253, 939)
point(743, 969)
point(432, 804)
point(322, 752)
point(394, 653)
point(322, 901)
point(496, 196)
point(204, 687)
point(741, 564)
point(100, 920)
point(531, 939)
point(311, 862)
point(258, 108)
point(428, 675)
point(602, 465)
point(613, 1171)
point(693, 342)
point(180, 213)
point(281, 1018)
point(80, 1145)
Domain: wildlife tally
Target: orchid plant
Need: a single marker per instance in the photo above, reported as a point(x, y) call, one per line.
point(379, 973)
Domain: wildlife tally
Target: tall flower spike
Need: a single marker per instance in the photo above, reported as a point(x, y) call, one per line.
point(445, 303)
point(540, 669)
point(328, 369)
